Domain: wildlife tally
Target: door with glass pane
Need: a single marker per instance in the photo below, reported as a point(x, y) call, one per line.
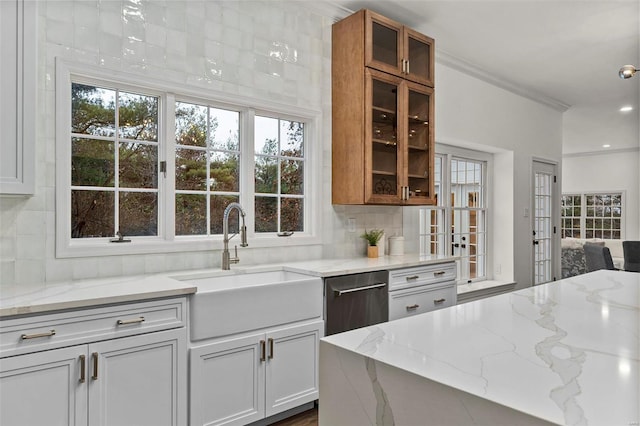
point(543, 230)
point(398, 50)
point(420, 144)
point(383, 163)
point(468, 217)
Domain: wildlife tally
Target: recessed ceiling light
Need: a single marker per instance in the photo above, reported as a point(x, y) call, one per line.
point(626, 108)
point(606, 145)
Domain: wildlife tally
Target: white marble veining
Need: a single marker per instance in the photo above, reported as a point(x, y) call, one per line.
point(565, 352)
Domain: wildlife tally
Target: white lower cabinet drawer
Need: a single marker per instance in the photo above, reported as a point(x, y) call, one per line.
point(48, 331)
point(419, 300)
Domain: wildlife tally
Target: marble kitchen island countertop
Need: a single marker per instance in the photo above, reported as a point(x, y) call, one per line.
point(566, 352)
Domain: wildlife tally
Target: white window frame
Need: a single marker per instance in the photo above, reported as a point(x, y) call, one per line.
point(583, 212)
point(445, 209)
point(166, 241)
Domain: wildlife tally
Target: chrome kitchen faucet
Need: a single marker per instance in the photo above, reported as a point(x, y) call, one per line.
point(226, 259)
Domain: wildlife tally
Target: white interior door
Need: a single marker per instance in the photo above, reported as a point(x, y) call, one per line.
point(543, 201)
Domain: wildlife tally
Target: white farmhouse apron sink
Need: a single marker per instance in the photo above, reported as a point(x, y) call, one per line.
point(241, 301)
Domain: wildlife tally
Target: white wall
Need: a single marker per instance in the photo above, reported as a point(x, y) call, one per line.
point(225, 46)
point(617, 171)
point(220, 47)
point(474, 114)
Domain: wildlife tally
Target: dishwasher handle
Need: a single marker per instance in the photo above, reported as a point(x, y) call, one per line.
point(338, 293)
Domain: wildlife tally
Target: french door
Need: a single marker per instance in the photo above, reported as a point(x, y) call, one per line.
point(544, 198)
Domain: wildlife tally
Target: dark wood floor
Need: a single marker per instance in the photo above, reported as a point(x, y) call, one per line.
point(306, 418)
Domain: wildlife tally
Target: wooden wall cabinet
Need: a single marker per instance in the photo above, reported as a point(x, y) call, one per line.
point(395, 49)
point(383, 116)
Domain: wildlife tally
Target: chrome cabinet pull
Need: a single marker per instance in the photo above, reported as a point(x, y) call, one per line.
point(408, 72)
point(94, 356)
point(83, 366)
point(262, 351)
point(270, 348)
point(412, 307)
point(131, 321)
point(38, 335)
point(413, 277)
point(438, 301)
point(439, 273)
point(351, 290)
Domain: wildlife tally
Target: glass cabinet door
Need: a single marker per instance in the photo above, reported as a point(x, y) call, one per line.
point(383, 45)
point(382, 153)
point(418, 50)
point(418, 119)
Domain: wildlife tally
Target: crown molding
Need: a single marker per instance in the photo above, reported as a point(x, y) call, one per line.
point(473, 70)
point(602, 152)
point(328, 9)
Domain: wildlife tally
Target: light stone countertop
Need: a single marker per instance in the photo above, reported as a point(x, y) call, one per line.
point(566, 352)
point(19, 300)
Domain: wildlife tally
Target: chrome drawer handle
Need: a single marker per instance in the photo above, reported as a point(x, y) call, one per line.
point(439, 301)
point(413, 277)
point(351, 290)
point(131, 321)
point(412, 307)
point(38, 335)
point(439, 273)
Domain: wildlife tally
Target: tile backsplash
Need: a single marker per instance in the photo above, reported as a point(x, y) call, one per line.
point(268, 50)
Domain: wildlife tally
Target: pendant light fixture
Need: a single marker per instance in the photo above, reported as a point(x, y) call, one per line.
point(627, 71)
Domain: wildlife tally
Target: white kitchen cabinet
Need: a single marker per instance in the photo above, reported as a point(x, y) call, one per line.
point(18, 34)
point(43, 388)
point(107, 380)
point(241, 380)
point(421, 289)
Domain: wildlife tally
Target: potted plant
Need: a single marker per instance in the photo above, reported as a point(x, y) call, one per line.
point(372, 237)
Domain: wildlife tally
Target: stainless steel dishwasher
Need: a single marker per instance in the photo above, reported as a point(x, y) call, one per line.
point(356, 300)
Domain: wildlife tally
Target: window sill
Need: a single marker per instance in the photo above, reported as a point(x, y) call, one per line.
point(187, 244)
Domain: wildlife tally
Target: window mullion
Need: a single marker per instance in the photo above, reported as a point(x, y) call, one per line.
point(116, 164)
point(247, 167)
point(167, 153)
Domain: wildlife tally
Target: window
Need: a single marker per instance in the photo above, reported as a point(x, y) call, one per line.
point(160, 168)
point(207, 173)
point(279, 175)
point(457, 225)
point(592, 215)
point(114, 162)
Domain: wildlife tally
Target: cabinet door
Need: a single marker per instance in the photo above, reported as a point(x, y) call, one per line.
point(418, 54)
point(417, 119)
point(44, 388)
point(292, 367)
point(383, 43)
point(139, 380)
point(227, 382)
point(383, 160)
point(17, 96)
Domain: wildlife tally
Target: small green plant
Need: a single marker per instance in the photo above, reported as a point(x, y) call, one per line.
point(373, 236)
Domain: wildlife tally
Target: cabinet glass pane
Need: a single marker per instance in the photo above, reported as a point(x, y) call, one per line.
point(419, 57)
point(384, 138)
point(385, 44)
point(418, 143)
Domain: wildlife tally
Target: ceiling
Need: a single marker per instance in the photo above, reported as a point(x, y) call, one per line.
point(564, 53)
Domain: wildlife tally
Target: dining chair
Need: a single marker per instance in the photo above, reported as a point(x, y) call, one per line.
point(631, 251)
point(597, 257)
